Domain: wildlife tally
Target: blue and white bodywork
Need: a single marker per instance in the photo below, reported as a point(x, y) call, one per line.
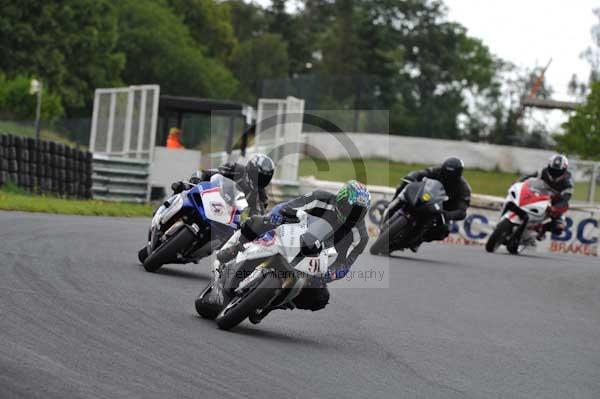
point(200, 220)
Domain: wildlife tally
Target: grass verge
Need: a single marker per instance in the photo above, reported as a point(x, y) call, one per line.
point(15, 199)
point(385, 173)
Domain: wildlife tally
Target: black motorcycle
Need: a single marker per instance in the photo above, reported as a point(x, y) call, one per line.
point(417, 209)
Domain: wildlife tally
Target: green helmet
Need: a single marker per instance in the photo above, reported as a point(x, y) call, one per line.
point(352, 202)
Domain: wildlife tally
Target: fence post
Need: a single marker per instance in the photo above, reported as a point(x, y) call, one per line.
point(592, 193)
point(94, 131)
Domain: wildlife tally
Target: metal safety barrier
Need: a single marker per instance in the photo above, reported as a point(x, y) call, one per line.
point(120, 179)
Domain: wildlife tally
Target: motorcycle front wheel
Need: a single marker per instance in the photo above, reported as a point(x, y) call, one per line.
point(242, 306)
point(386, 240)
point(498, 237)
point(167, 251)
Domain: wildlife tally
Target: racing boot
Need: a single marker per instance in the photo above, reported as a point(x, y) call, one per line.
point(258, 315)
point(227, 254)
point(213, 298)
point(415, 247)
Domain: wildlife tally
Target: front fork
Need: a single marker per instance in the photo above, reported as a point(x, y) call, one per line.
point(391, 209)
point(518, 233)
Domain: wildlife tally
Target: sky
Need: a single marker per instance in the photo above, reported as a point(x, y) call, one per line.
point(531, 32)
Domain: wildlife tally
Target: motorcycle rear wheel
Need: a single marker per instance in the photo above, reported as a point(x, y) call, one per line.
point(167, 251)
point(231, 316)
point(503, 230)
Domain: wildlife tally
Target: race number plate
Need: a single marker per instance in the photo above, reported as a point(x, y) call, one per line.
point(216, 208)
point(314, 266)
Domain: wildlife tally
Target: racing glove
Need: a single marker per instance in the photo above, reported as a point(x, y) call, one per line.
point(337, 273)
point(283, 214)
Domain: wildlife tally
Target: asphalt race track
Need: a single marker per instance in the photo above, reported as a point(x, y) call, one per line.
point(80, 318)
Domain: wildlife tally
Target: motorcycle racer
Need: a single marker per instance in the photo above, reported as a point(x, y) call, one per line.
point(557, 176)
point(251, 178)
point(344, 212)
point(449, 173)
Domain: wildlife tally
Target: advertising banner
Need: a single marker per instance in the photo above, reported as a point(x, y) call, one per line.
point(580, 236)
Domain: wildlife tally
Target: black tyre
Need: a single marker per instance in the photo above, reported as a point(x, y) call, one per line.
point(240, 307)
point(143, 254)
point(502, 231)
point(167, 252)
point(377, 210)
point(515, 247)
point(206, 310)
point(385, 241)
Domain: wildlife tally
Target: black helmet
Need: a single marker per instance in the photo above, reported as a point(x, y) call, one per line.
point(452, 168)
point(557, 166)
point(259, 170)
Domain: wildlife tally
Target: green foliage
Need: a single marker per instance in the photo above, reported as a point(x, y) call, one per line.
point(247, 19)
point(341, 45)
point(209, 23)
point(402, 56)
point(582, 130)
point(160, 49)
point(259, 58)
point(17, 104)
point(69, 44)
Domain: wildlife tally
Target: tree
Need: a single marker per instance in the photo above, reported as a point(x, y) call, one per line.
point(247, 19)
point(496, 114)
point(440, 64)
point(209, 23)
point(592, 54)
point(18, 104)
point(161, 50)
point(582, 130)
point(577, 87)
point(341, 45)
point(69, 44)
point(259, 58)
point(293, 29)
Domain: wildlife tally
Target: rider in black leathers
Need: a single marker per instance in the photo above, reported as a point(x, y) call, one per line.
point(345, 214)
point(251, 178)
point(559, 179)
point(449, 173)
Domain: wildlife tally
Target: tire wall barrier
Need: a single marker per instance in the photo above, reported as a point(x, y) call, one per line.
point(45, 167)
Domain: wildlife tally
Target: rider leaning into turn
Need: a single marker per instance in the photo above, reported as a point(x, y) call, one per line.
point(251, 178)
point(449, 173)
point(557, 176)
point(344, 212)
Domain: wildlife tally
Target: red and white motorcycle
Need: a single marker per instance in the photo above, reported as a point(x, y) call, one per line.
point(524, 213)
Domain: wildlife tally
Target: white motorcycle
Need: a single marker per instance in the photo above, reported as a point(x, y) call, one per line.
point(271, 271)
point(524, 212)
point(192, 224)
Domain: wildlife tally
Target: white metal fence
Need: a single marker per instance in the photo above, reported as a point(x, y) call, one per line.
point(120, 179)
point(278, 134)
point(587, 174)
point(124, 121)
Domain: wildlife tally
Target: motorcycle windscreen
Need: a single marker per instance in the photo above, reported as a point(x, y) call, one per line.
point(219, 201)
point(538, 186)
point(320, 229)
point(433, 191)
point(412, 193)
